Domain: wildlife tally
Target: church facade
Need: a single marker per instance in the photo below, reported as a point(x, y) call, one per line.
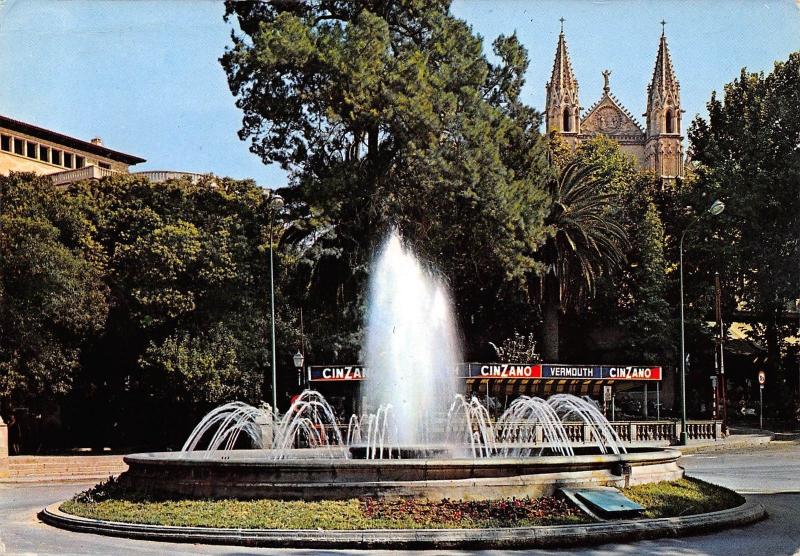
point(657, 145)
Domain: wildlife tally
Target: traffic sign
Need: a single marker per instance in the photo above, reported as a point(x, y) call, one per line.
point(762, 377)
point(607, 393)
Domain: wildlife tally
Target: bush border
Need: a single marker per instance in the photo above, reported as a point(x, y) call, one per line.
point(512, 537)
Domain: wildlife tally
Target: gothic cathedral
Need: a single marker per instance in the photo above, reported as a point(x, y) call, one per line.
point(657, 147)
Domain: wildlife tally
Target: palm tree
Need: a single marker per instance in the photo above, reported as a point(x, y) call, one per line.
point(585, 242)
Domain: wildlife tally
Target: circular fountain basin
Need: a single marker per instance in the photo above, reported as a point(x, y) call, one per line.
point(327, 474)
point(400, 452)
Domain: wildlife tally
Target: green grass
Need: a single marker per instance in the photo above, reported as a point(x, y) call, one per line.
point(683, 497)
point(267, 514)
point(276, 514)
point(111, 502)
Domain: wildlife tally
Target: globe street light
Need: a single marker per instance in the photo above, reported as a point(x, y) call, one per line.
point(298, 362)
point(274, 202)
point(715, 209)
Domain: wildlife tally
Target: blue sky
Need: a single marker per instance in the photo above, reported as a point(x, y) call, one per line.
point(144, 76)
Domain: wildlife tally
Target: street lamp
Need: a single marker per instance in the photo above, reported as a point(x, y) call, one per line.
point(715, 209)
point(797, 308)
point(298, 362)
point(274, 202)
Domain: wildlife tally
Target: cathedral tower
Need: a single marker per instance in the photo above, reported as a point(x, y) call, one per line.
point(663, 150)
point(563, 108)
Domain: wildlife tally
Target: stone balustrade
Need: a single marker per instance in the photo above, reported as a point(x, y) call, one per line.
point(95, 173)
point(158, 176)
point(656, 433)
point(703, 430)
point(81, 174)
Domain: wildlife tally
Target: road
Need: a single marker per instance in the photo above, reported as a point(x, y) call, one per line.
point(769, 475)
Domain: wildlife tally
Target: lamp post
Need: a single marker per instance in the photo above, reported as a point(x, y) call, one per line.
point(274, 202)
point(797, 308)
point(715, 209)
point(298, 362)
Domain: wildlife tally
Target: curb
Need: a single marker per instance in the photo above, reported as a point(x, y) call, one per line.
point(786, 436)
point(755, 440)
point(516, 537)
point(51, 479)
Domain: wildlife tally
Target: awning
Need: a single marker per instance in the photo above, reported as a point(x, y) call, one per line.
point(546, 387)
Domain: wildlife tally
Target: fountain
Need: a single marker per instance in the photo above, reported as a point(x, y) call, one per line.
point(411, 344)
point(418, 437)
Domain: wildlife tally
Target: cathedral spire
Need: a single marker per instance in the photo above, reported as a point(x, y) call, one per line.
point(562, 91)
point(663, 147)
point(664, 85)
point(562, 76)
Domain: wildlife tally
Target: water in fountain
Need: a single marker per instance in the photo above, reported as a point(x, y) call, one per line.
point(311, 418)
point(411, 348)
point(519, 424)
point(353, 430)
point(230, 421)
point(469, 425)
point(411, 351)
point(602, 433)
point(309, 422)
point(529, 427)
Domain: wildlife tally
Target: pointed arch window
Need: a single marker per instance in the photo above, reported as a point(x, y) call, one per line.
point(670, 121)
point(567, 123)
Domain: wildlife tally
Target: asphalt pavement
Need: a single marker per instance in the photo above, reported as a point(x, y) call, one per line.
point(769, 475)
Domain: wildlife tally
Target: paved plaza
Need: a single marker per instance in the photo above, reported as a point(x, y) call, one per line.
point(769, 475)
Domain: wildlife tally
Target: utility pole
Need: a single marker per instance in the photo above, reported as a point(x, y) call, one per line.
point(720, 355)
point(274, 202)
point(797, 308)
point(715, 209)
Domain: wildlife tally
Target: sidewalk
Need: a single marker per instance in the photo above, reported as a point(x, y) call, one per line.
point(739, 438)
point(36, 469)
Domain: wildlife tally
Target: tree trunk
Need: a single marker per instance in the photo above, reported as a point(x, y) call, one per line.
point(550, 332)
point(372, 142)
point(552, 310)
point(773, 346)
point(775, 375)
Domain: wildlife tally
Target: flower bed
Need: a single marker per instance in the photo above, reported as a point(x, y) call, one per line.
point(109, 501)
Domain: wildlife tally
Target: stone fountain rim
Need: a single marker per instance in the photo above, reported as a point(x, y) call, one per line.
point(236, 458)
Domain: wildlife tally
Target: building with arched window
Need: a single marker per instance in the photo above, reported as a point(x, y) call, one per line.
point(657, 145)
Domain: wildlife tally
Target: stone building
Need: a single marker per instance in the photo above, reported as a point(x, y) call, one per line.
point(28, 148)
point(25, 147)
point(657, 146)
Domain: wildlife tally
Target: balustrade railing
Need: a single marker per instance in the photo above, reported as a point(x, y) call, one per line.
point(80, 174)
point(623, 431)
point(629, 432)
point(95, 173)
point(158, 176)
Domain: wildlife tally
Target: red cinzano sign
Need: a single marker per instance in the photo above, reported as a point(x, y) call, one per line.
point(354, 373)
point(321, 373)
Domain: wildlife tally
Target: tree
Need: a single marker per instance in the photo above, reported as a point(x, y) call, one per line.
point(187, 276)
point(52, 297)
point(125, 293)
point(748, 155)
point(633, 299)
point(517, 348)
point(585, 242)
point(388, 114)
